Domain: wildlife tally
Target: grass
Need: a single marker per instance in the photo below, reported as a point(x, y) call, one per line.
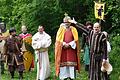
point(115, 75)
point(31, 75)
point(27, 75)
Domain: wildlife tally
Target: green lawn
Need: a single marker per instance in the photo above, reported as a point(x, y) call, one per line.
point(32, 75)
point(115, 75)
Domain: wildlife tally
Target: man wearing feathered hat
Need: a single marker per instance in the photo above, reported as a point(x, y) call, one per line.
point(67, 51)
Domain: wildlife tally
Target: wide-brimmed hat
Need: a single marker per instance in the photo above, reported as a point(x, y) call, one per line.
point(106, 67)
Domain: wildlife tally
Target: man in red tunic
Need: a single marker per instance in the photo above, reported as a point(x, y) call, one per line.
point(67, 51)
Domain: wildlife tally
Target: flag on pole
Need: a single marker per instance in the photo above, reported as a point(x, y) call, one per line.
point(99, 10)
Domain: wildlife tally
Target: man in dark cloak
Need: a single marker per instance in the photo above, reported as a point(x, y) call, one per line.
point(98, 50)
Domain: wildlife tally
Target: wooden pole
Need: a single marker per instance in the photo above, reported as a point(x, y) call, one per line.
point(100, 19)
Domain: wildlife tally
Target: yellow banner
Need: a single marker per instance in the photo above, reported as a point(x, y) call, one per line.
point(99, 10)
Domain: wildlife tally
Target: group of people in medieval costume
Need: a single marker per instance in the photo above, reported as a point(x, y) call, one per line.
point(15, 50)
point(67, 50)
point(98, 51)
point(19, 51)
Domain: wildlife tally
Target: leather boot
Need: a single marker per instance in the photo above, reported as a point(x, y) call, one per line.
point(12, 74)
point(20, 75)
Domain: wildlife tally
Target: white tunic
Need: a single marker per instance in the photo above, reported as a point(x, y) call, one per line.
point(41, 42)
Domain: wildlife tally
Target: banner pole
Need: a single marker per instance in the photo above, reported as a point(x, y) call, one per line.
point(100, 19)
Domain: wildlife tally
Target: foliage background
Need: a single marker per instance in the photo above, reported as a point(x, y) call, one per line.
point(50, 13)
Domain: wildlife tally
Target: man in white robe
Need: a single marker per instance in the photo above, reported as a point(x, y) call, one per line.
point(40, 42)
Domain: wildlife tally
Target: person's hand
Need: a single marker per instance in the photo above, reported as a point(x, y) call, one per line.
point(21, 53)
point(104, 62)
point(72, 21)
point(103, 67)
point(66, 46)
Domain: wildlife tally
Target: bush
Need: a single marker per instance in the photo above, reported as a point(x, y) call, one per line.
point(115, 57)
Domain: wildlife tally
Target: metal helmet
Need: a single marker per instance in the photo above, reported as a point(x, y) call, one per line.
point(3, 27)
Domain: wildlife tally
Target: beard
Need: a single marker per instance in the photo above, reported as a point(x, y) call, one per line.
point(67, 25)
point(24, 32)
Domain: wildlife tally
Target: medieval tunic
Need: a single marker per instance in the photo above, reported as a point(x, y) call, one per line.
point(27, 39)
point(67, 60)
point(14, 57)
point(3, 37)
point(69, 57)
point(41, 42)
point(98, 52)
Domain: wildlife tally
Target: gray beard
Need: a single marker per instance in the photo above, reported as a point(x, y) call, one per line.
point(67, 26)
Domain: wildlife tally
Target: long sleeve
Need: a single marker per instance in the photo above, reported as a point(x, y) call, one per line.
point(2, 47)
point(82, 28)
point(104, 46)
point(36, 44)
point(73, 44)
point(83, 41)
point(5, 48)
point(41, 41)
point(46, 42)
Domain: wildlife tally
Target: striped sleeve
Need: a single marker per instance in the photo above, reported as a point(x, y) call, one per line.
point(104, 44)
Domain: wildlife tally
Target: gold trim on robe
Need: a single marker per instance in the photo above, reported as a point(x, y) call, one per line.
point(58, 47)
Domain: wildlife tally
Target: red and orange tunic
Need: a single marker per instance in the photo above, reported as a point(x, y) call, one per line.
point(66, 57)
